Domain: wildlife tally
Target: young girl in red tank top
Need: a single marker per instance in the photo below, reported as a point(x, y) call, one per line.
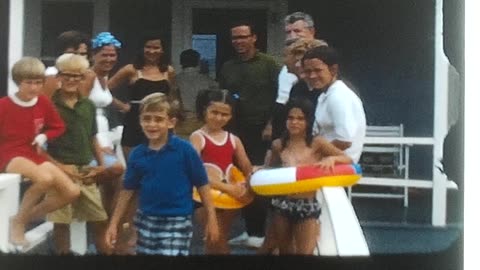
point(220, 150)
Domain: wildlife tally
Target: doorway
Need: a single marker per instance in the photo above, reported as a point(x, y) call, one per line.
point(216, 23)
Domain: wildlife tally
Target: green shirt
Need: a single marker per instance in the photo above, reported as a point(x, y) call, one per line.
point(75, 146)
point(255, 81)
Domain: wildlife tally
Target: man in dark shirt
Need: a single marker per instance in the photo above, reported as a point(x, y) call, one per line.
point(252, 78)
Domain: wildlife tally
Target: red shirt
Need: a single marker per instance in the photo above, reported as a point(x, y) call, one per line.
point(19, 124)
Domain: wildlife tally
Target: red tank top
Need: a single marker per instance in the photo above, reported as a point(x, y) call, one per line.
point(218, 154)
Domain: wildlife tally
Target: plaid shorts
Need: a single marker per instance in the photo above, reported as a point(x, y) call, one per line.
point(296, 210)
point(163, 235)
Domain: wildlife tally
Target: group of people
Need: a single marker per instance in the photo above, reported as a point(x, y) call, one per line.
point(54, 131)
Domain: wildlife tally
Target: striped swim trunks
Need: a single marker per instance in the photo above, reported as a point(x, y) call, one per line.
point(163, 235)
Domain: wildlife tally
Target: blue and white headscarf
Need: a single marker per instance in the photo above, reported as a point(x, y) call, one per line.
point(105, 38)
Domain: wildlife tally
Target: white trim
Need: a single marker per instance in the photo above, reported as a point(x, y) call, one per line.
point(397, 182)
point(440, 121)
point(222, 142)
point(22, 103)
point(400, 140)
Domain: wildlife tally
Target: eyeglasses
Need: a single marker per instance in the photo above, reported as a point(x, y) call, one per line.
point(71, 76)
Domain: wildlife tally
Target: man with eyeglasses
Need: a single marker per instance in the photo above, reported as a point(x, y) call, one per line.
point(251, 77)
point(67, 42)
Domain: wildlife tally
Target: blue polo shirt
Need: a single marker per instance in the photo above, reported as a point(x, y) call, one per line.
point(165, 177)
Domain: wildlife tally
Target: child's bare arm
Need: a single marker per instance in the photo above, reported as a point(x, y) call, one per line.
point(123, 201)
point(330, 154)
point(211, 229)
point(274, 157)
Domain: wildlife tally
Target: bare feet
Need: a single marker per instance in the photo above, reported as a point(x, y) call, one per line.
point(17, 233)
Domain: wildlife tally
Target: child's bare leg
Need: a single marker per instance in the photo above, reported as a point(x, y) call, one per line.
point(42, 180)
point(225, 219)
point(61, 238)
point(199, 216)
point(306, 233)
point(66, 191)
point(99, 230)
point(283, 233)
point(270, 244)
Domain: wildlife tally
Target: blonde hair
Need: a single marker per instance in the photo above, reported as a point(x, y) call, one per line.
point(28, 68)
point(71, 62)
point(159, 102)
point(302, 45)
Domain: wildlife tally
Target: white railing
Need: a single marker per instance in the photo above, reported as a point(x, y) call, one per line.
point(439, 183)
point(340, 231)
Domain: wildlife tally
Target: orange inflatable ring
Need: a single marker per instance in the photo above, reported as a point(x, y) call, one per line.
point(283, 181)
point(220, 199)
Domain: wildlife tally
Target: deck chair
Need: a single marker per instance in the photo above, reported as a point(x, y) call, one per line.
point(390, 161)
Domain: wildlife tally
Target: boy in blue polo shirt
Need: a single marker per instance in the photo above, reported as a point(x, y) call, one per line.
point(164, 171)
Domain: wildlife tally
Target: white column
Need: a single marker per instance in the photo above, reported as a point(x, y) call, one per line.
point(439, 202)
point(177, 45)
point(472, 144)
point(15, 38)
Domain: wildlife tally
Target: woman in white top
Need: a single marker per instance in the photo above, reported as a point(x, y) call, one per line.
point(104, 55)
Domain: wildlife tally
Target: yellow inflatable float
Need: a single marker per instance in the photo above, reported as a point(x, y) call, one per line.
point(283, 181)
point(220, 199)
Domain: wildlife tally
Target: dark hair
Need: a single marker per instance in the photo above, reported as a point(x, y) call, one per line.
point(207, 96)
point(238, 23)
point(189, 58)
point(328, 55)
point(139, 61)
point(306, 106)
point(71, 39)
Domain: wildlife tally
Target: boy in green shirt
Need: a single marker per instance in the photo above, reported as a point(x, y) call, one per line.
point(74, 151)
